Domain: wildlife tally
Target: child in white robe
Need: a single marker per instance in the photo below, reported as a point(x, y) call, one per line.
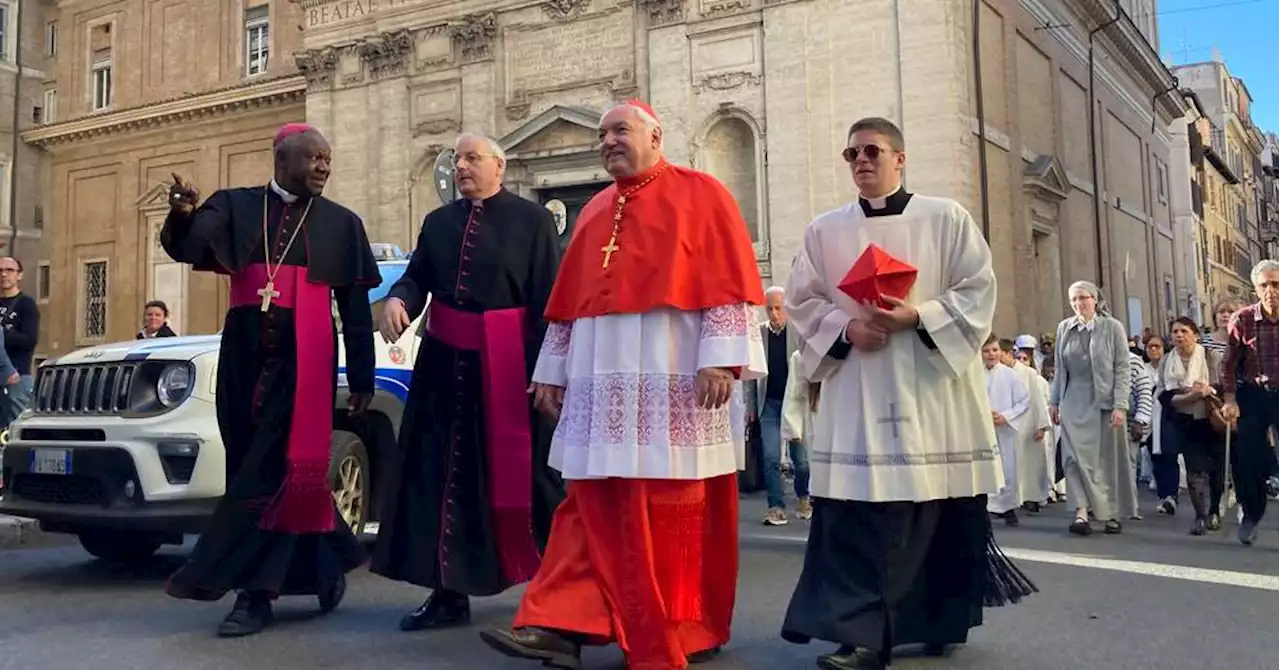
point(1009, 399)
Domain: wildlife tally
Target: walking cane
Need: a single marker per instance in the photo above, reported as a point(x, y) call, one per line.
point(1226, 482)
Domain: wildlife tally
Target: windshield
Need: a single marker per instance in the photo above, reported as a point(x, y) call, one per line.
point(391, 273)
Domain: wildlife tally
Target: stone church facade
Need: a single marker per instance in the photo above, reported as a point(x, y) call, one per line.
point(758, 92)
point(761, 93)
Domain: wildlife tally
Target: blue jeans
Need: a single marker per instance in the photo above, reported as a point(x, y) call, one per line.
point(771, 441)
point(15, 400)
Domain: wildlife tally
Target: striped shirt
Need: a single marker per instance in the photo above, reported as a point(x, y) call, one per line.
point(1212, 346)
point(1141, 390)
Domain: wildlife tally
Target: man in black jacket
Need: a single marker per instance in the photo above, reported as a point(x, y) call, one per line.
point(20, 319)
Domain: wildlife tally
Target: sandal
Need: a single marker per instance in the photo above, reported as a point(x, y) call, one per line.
point(1081, 527)
point(1112, 527)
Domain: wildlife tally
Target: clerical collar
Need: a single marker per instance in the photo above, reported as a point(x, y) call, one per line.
point(642, 177)
point(893, 205)
point(485, 201)
point(286, 196)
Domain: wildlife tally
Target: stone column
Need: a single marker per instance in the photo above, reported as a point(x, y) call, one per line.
point(319, 66)
point(386, 58)
point(474, 38)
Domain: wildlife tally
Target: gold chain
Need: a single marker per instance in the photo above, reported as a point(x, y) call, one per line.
point(612, 247)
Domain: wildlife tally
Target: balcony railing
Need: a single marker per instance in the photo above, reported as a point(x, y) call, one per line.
point(1216, 152)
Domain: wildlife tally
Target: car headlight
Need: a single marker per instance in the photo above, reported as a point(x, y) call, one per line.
point(174, 384)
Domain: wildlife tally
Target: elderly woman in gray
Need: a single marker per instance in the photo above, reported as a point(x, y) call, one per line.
point(1089, 399)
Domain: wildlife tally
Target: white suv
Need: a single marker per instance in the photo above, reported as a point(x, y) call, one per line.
point(121, 445)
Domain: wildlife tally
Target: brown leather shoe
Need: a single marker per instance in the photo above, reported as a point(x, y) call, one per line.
point(535, 644)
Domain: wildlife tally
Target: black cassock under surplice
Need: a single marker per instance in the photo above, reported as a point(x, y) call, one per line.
point(878, 575)
point(257, 367)
point(502, 256)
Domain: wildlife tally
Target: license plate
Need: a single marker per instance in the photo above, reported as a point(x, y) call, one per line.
point(51, 461)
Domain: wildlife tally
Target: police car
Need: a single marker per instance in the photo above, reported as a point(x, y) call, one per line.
point(120, 445)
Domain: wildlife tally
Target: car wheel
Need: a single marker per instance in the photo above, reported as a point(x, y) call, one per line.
point(349, 479)
point(118, 547)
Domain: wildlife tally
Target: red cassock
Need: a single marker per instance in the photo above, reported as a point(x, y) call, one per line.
point(647, 563)
point(877, 273)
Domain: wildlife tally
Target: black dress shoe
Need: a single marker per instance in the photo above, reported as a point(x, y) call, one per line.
point(442, 610)
point(853, 658)
point(703, 656)
point(331, 595)
point(250, 615)
point(535, 644)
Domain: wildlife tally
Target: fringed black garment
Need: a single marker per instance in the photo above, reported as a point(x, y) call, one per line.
point(881, 575)
point(439, 529)
point(257, 368)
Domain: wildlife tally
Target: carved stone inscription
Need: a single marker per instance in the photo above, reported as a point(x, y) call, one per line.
point(560, 56)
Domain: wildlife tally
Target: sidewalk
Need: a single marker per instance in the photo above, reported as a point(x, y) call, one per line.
point(14, 530)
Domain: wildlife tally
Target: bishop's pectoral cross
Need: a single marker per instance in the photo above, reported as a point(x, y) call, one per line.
point(268, 294)
point(609, 248)
point(612, 247)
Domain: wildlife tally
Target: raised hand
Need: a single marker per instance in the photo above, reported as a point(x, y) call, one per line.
point(183, 196)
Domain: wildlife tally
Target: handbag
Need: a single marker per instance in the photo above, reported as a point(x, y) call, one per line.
point(1213, 407)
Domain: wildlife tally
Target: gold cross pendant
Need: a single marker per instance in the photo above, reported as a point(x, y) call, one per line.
point(268, 294)
point(609, 250)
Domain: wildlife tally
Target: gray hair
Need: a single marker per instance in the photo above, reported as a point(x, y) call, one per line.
point(1263, 267)
point(775, 290)
point(1092, 289)
point(494, 147)
point(650, 123)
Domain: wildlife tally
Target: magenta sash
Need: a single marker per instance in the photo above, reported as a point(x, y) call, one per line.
point(498, 336)
point(304, 503)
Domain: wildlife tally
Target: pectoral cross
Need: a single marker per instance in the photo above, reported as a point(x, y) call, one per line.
point(894, 419)
point(268, 294)
point(609, 248)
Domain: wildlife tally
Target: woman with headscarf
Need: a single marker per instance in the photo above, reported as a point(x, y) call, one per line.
point(1186, 396)
point(1089, 399)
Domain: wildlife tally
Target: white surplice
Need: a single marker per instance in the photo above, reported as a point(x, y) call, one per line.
point(1033, 464)
point(1010, 398)
point(908, 422)
point(629, 405)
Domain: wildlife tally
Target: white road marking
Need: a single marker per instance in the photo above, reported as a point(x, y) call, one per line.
point(1246, 580)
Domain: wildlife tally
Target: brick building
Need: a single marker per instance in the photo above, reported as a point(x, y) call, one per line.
point(761, 93)
point(137, 90)
point(25, 50)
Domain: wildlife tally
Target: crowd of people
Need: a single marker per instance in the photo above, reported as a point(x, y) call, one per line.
point(578, 423)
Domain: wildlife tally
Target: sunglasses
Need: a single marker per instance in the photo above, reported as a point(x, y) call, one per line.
point(871, 151)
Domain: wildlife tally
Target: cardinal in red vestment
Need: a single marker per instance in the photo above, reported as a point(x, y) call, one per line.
point(651, 327)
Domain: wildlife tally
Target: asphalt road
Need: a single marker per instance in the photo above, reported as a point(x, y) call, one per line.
point(1151, 598)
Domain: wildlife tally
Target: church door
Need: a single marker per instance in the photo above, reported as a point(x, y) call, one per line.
point(574, 198)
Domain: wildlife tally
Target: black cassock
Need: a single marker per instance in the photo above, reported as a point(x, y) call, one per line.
point(256, 381)
point(437, 529)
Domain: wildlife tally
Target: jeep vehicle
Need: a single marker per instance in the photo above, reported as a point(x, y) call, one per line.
point(120, 445)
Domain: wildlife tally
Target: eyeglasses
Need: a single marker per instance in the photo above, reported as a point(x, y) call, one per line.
point(871, 151)
point(470, 157)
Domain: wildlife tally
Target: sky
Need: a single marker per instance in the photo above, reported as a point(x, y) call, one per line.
point(1245, 32)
